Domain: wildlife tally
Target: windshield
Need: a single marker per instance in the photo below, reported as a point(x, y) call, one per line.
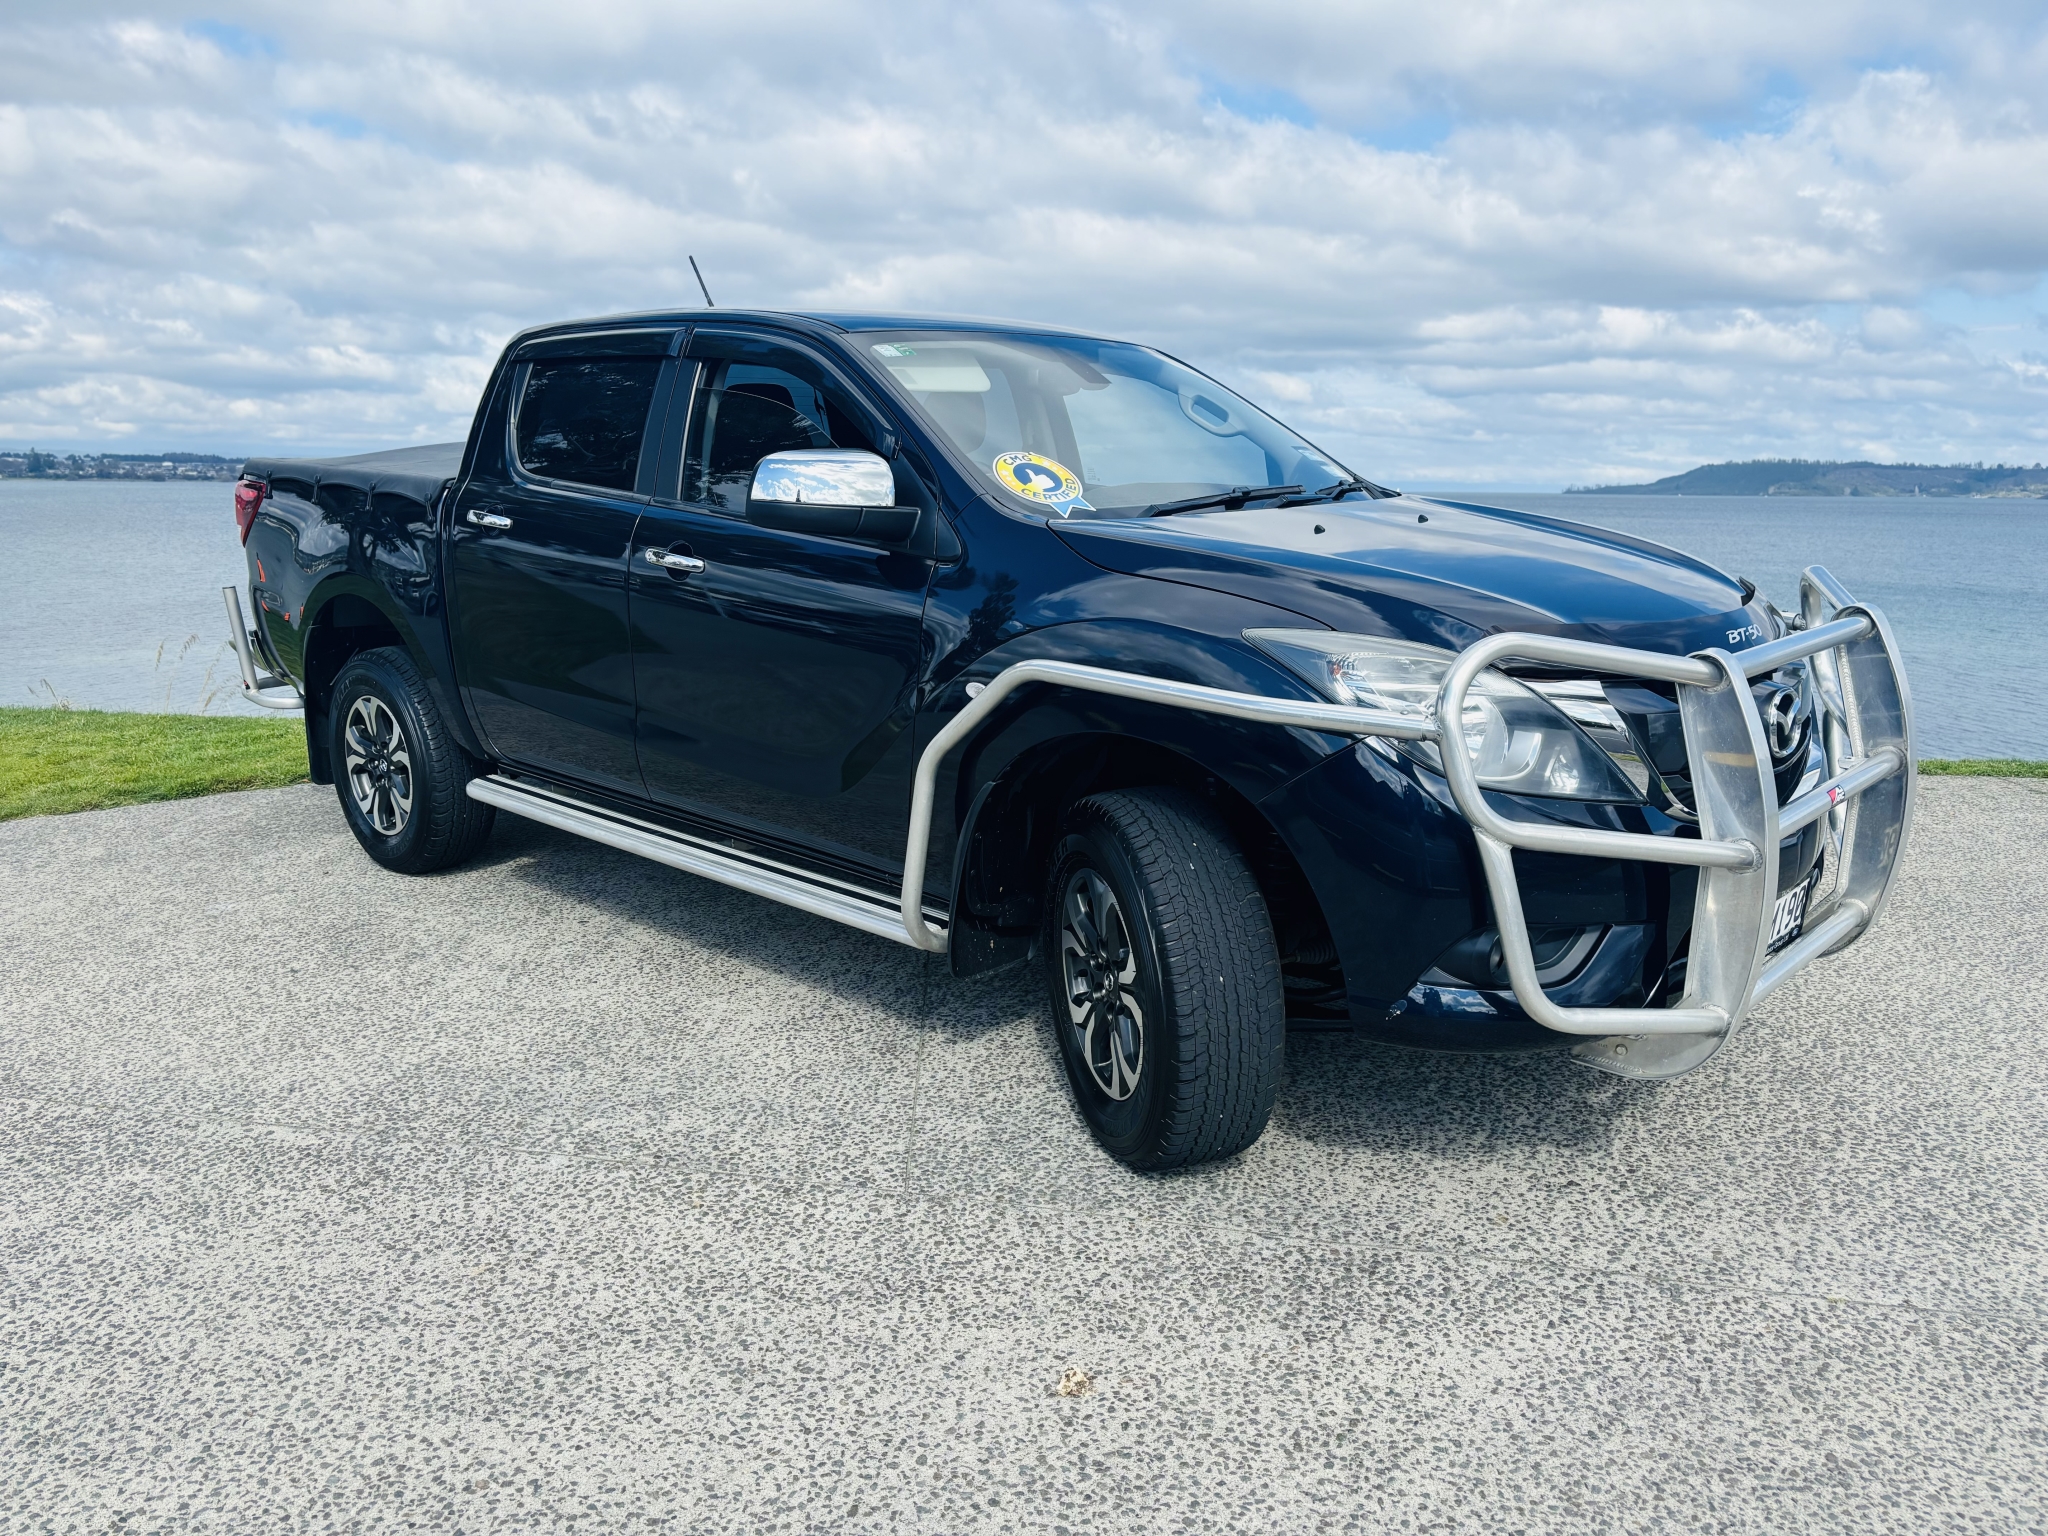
point(1084, 428)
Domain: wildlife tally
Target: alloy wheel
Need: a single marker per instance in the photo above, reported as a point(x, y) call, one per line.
point(1099, 964)
point(379, 765)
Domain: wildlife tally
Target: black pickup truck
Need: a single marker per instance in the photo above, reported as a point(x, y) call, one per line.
point(1010, 644)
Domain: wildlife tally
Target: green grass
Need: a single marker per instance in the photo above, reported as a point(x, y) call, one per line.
point(1984, 767)
point(58, 760)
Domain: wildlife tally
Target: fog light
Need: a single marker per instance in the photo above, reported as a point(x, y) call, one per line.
point(1476, 960)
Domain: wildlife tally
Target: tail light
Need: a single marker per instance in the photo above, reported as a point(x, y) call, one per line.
point(248, 497)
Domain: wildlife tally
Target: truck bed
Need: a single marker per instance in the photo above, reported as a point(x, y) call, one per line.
point(417, 473)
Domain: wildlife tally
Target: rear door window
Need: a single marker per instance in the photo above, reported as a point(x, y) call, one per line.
point(583, 420)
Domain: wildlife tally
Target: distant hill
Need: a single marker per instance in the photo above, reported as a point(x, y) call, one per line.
point(1817, 477)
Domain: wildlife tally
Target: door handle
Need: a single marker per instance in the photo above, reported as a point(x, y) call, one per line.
point(672, 562)
point(488, 519)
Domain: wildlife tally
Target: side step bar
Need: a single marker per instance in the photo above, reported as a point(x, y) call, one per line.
point(870, 911)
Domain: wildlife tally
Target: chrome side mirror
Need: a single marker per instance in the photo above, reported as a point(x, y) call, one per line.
point(825, 477)
point(842, 492)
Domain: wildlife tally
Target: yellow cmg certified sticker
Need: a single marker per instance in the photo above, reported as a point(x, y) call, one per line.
point(1037, 478)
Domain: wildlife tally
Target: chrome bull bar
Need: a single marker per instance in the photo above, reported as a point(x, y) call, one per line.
point(1866, 722)
point(1866, 725)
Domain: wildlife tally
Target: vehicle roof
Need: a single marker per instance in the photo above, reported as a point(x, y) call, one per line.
point(421, 472)
point(820, 320)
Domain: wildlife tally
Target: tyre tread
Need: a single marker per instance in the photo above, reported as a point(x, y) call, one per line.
point(1220, 972)
point(455, 826)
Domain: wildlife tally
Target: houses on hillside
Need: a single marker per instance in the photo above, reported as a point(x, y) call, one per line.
point(37, 465)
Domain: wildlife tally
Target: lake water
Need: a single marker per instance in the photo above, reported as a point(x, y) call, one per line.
point(110, 593)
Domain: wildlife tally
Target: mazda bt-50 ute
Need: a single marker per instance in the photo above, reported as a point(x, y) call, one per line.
point(1016, 645)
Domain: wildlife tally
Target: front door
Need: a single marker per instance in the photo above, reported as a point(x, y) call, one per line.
point(537, 564)
point(777, 684)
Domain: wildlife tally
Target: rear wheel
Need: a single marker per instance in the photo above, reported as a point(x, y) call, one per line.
point(1165, 982)
point(400, 776)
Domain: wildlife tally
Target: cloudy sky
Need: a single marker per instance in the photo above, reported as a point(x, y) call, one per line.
point(1512, 243)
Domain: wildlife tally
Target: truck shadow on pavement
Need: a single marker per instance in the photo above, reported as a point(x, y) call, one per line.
point(694, 915)
point(1341, 1090)
point(1346, 1090)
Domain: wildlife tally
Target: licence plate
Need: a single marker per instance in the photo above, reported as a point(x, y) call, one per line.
point(1788, 917)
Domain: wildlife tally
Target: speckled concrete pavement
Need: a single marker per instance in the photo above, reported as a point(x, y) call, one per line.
point(567, 1192)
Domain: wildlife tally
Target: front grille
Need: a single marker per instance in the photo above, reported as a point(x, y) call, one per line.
point(1638, 725)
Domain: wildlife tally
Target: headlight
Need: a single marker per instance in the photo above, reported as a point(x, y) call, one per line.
point(1584, 702)
point(1519, 742)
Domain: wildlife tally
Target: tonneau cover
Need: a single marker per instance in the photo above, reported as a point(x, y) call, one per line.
point(417, 473)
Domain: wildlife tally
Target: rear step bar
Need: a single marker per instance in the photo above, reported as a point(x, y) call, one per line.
point(257, 687)
point(870, 911)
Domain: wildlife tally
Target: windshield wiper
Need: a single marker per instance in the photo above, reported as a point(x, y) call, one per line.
point(1345, 488)
point(1230, 500)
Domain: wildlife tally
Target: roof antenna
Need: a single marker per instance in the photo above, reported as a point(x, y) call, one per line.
point(708, 304)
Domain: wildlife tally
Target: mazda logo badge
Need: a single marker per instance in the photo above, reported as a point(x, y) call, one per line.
point(1782, 723)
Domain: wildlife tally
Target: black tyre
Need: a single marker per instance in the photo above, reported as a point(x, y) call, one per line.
point(1165, 980)
point(401, 777)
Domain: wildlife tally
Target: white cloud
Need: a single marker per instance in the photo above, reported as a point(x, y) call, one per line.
point(1624, 237)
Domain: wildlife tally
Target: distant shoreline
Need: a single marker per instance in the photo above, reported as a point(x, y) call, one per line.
point(37, 465)
point(1816, 477)
point(1478, 495)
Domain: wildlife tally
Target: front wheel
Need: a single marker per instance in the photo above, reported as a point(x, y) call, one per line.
point(1165, 980)
point(402, 780)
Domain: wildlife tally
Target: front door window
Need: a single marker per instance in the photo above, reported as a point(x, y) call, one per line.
point(747, 410)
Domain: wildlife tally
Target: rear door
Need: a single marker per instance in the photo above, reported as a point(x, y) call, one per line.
point(777, 684)
point(538, 549)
